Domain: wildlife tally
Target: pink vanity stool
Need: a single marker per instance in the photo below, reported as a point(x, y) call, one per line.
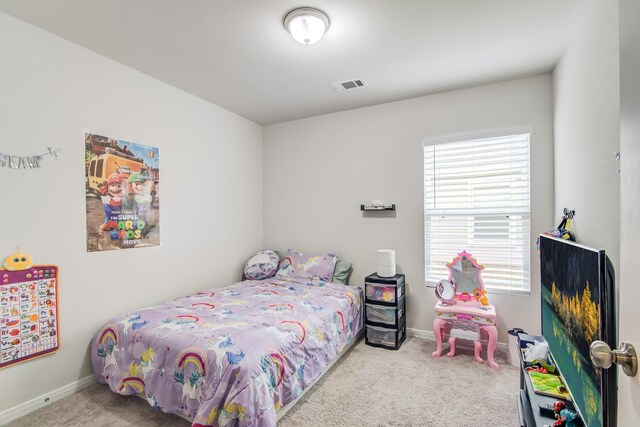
point(464, 307)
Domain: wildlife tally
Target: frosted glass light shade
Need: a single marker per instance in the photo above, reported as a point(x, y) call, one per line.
point(306, 25)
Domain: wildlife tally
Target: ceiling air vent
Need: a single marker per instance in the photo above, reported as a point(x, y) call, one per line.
point(348, 85)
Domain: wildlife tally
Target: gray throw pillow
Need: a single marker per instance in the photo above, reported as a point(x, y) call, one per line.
point(341, 273)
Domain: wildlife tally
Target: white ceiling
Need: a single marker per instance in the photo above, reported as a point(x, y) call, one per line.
point(237, 54)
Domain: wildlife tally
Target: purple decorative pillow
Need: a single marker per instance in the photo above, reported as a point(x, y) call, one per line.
point(296, 265)
point(262, 265)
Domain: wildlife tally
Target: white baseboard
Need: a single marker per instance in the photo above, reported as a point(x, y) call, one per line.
point(419, 333)
point(11, 414)
point(501, 347)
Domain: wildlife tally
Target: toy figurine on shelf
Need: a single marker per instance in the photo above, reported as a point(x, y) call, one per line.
point(564, 417)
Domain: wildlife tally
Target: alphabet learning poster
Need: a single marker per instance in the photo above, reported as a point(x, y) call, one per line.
point(28, 313)
point(122, 181)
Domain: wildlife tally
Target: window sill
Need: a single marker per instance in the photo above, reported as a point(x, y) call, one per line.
point(493, 291)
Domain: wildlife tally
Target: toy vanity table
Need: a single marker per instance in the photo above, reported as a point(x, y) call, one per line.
point(464, 307)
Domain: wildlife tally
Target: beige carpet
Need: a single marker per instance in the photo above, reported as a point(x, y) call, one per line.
point(367, 387)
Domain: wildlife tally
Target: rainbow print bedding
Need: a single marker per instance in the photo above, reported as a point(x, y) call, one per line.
point(229, 356)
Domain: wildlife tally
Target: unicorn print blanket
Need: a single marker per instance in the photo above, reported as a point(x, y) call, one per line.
point(229, 356)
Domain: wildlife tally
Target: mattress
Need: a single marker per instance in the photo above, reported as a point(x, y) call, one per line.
point(229, 356)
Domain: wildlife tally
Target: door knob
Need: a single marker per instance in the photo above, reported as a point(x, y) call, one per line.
point(603, 357)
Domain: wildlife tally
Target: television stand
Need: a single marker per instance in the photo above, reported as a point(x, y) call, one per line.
point(529, 401)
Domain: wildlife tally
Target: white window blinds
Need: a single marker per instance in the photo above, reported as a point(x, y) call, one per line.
point(476, 197)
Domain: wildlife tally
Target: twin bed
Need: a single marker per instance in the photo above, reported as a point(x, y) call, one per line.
point(234, 356)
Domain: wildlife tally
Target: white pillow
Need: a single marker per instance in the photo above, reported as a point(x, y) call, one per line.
point(262, 265)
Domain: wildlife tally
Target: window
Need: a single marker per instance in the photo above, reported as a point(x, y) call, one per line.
point(99, 168)
point(476, 197)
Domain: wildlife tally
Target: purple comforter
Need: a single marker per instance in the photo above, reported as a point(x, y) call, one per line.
point(229, 356)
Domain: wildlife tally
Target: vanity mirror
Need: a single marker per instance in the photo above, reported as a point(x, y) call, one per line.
point(466, 275)
point(446, 291)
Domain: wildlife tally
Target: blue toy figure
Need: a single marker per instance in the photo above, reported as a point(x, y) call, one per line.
point(569, 417)
point(564, 417)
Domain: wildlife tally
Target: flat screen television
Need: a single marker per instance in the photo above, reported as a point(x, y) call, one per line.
point(577, 309)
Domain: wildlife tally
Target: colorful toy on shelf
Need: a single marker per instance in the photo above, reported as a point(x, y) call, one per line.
point(563, 230)
point(28, 309)
point(564, 417)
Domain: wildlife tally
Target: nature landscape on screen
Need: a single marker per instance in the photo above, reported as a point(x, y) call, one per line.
point(571, 319)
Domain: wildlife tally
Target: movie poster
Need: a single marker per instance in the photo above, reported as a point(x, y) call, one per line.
point(123, 194)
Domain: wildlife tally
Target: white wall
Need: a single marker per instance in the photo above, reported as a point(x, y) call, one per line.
point(628, 387)
point(318, 171)
point(586, 102)
point(211, 192)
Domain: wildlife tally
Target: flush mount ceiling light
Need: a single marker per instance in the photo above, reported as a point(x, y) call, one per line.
point(306, 24)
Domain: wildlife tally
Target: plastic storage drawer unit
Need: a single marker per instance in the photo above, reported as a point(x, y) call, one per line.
point(378, 336)
point(386, 316)
point(384, 290)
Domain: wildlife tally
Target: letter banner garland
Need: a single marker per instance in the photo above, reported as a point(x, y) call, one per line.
point(24, 162)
